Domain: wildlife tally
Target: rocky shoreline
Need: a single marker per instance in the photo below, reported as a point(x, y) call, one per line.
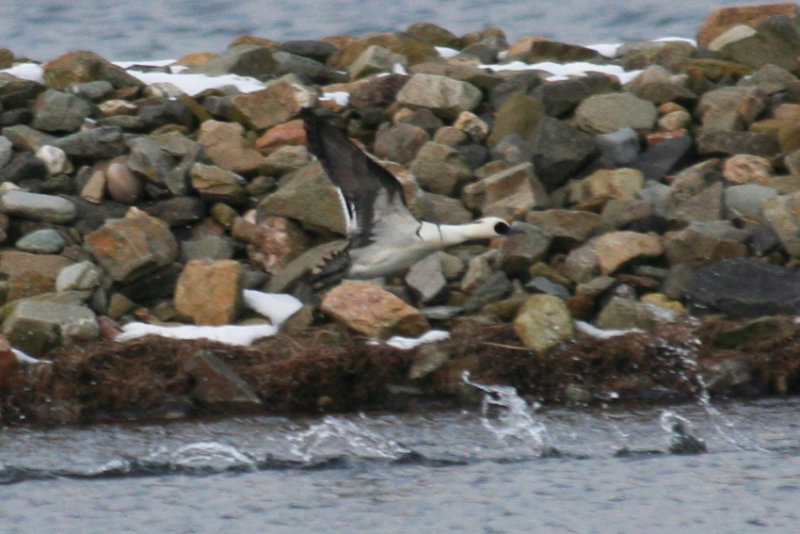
point(656, 186)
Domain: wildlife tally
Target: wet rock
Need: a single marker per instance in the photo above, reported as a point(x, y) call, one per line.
point(558, 150)
point(244, 60)
point(83, 66)
point(704, 242)
point(442, 95)
point(218, 185)
point(307, 187)
point(372, 311)
point(572, 226)
point(519, 114)
point(543, 322)
point(770, 289)
point(100, 142)
point(427, 281)
point(512, 192)
point(440, 168)
point(623, 314)
point(48, 208)
point(57, 111)
point(609, 112)
point(615, 249)
point(210, 291)
point(36, 327)
point(84, 275)
point(224, 143)
point(132, 247)
point(216, 385)
point(44, 241)
point(279, 102)
point(400, 142)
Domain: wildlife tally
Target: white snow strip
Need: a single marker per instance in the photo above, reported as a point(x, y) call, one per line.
point(563, 71)
point(276, 306)
point(408, 343)
point(192, 84)
point(229, 334)
point(146, 63)
point(342, 98)
point(601, 333)
point(27, 71)
point(446, 52)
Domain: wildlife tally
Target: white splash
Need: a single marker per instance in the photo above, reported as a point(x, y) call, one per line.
point(600, 333)
point(408, 343)
point(564, 71)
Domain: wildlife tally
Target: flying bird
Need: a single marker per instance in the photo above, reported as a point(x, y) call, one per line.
point(383, 237)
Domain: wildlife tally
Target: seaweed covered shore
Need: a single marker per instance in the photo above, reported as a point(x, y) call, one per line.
point(654, 186)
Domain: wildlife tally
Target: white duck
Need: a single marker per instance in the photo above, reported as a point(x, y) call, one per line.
point(383, 237)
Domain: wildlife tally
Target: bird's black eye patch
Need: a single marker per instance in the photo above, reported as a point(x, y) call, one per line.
point(502, 228)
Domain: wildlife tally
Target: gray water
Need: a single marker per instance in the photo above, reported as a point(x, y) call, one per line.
point(453, 471)
point(160, 29)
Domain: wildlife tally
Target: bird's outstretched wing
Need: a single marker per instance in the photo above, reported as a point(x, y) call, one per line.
point(373, 197)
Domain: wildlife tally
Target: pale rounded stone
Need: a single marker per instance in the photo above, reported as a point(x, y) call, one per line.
point(543, 322)
point(45, 241)
point(615, 249)
point(53, 157)
point(78, 276)
point(123, 185)
point(746, 168)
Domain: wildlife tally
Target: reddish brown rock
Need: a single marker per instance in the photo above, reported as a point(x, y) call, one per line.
point(28, 284)
point(290, 133)
point(725, 18)
point(373, 311)
point(273, 242)
point(84, 66)
point(271, 106)
point(122, 184)
point(14, 262)
point(134, 246)
point(209, 291)
point(225, 145)
point(746, 168)
point(615, 249)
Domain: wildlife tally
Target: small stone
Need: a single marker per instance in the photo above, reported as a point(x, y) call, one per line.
point(79, 276)
point(100, 142)
point(54, 158)
point(122, 184)
point(36, 327)
point(543, 322)
point(512, 192)
point(225, 144)
point(426, 280)
point(209, 291)
point(623, 314)
point(615, 249)
point(39, 207)
point(574, 226)
point(215, 383)
point(400, 142)
point(372, 311)
point(558, 150)
point(373, 60)
point(94, 190)
point(441, 94)
point(45, 241)
point(279, 102)
point(609, 112)
point(56, 111)
point(745, 168)
point(440, 168)
point(132, 247)
point(215, 184)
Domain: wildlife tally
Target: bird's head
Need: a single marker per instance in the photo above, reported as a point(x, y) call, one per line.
point(495, 227)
